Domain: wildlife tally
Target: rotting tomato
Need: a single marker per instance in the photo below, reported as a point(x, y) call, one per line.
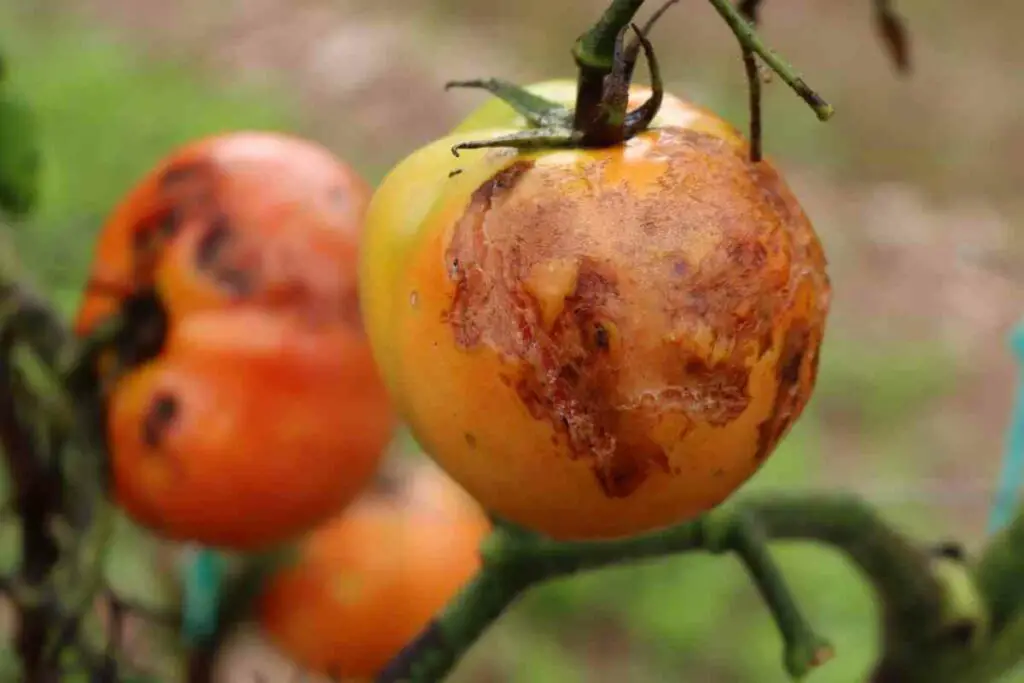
point(225, 207)
point(242, 402)
point(407, 193)
point(600, 342)
point(370, 579)
point(248, 428)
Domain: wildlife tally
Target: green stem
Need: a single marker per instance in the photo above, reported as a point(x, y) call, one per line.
point(897, 567)
point(515, 560)
point(749, 40)
point(595, 53)
point(595, 49)
point(999, 572)
point(438, 648)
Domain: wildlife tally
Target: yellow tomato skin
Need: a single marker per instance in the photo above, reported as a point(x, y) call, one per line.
point(674, 111)
point(598, 343)
point(370, 579)
point(395, 214)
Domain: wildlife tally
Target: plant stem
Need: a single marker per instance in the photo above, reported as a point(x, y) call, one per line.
point(515, 560)
point(749, 40)
point(595, 49)
point(38, 493)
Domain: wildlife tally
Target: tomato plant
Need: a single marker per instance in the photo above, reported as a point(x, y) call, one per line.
point(596, 340)
point(371, 579)
point(495, 113)
point(243, 405)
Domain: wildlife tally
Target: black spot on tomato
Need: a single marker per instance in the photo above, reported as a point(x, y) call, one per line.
point(212, 254)
point(168, 224)
point(601, 338)
point(163, 410)
point(179, 173)
point(213, 243)
point(143, 328)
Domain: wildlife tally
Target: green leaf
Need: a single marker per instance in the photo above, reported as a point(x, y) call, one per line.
point(19, 156)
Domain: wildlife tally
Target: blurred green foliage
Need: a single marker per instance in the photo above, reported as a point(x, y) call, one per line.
point(105, 114)
point(104, 117)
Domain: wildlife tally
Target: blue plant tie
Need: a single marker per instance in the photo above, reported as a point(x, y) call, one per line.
point(202, 579)
point(1012, 475)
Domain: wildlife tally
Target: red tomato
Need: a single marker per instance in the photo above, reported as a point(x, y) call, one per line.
point(372, 578)
point(246, 406)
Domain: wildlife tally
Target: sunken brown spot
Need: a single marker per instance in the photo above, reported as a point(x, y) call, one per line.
point(693, 275)
point(163, 410)
point(189, 187)
point(213, 257)
point(798, 351)
point(184, 191)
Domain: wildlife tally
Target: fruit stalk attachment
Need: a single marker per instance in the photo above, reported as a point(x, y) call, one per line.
point(605, 63)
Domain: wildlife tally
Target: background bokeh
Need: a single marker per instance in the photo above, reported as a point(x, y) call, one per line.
point(915, 187)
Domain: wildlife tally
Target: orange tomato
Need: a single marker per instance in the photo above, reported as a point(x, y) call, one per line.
point(601, 342)
point(243, 405)
point(368, 581)
point(281, 210)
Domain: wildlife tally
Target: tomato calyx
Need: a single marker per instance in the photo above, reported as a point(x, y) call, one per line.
point(601, 117)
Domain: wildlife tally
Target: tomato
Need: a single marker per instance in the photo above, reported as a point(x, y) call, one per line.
point(674, 111)
point(244, 405)
point(400, 202)
point(369, 580)
point(406, 194)
point(601, 342)
point(255, 199)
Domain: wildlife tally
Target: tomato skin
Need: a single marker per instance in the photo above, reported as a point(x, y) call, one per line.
point(395, 213)
point(242, 430)
point(265, 184)
point(598, 343)
point(256, 410)
point(370, 579)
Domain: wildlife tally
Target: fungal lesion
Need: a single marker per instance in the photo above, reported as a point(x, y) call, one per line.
point(796, 371)
point(214, 257)
point(159, 419)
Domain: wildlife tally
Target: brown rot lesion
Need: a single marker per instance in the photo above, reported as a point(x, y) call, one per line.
point(164, 409)
point(215, 252)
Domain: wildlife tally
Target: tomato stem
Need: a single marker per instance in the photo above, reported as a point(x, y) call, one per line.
point(515, 559)
point(748, 8)
point(935, 607)
point(594, 51)
point(749, 40)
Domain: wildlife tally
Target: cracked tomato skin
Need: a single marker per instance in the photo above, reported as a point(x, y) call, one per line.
point(598, 343)
point(370, 580)
point(245, 407)
point(402, 200)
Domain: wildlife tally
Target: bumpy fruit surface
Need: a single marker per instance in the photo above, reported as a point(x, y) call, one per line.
point(601, 342)
point(368, 581)
point(243, 405)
